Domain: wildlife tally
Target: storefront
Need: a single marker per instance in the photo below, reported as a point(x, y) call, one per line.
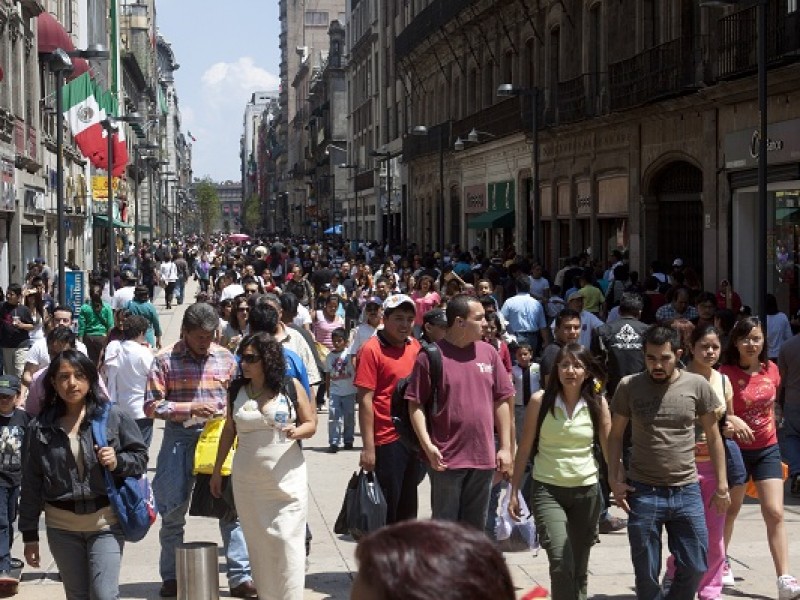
point(783, 212)
point(495, 224)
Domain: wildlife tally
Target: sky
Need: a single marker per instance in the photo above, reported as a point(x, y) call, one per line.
point(226, 51)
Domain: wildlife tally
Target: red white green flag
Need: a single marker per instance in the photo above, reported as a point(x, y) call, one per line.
point(83, 113)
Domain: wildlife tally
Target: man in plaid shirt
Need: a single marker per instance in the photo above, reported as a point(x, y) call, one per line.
point(187, 384)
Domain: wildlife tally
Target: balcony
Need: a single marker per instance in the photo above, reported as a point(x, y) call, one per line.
point(738, 40)
point(578, 98)
point(435, 16)
point(660, 72)
point(26, 146)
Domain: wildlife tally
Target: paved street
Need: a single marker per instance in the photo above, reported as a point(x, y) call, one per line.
point(332, 564)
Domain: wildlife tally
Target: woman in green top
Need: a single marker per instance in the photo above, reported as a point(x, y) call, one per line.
point(141, 305)
point(565, 498)
point(95, 319)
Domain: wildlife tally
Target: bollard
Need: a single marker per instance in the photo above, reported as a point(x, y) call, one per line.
point(197, 571)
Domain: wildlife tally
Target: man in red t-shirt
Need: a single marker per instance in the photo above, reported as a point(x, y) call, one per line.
point(475, 399)
point(386, 358)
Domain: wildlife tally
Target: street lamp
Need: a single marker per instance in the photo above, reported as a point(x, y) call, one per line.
point(507, 89)
point(60, 63)
point(111, 124)
point(763, 212)
point(139, 151)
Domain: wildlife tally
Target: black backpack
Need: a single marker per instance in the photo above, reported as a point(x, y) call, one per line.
point(401, 418)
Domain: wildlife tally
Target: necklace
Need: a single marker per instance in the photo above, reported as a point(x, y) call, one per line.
point(254, 395)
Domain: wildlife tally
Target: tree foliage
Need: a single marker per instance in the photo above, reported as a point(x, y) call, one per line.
point(251, 219)
point(208, 204)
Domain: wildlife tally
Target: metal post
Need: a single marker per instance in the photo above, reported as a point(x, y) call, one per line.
point(537, 208)
point(150, 199)
point(136, 200)
point(60, 241)
point(111, 247)
point(389, 213)
point(763, 209)
point(440, 231)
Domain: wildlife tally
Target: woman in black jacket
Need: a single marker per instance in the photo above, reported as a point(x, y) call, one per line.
point(63, 477)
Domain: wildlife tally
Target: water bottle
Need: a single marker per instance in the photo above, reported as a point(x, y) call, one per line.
point(281, 420)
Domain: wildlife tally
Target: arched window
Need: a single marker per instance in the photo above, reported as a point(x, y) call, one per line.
point(455, 99)
point(507, 74)
point(488, 84)
point(472, 91)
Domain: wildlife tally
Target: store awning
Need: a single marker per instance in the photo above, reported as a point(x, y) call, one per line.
point(143, 228)
point(51, 35)
point(494, 219)
point(102, 221)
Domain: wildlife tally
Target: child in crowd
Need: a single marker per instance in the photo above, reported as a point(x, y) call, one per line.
point(13, 422)
point(371, 322)
point(339, 372)
point(525, 375)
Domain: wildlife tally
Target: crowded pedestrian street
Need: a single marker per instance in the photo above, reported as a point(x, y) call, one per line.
point(332, 566)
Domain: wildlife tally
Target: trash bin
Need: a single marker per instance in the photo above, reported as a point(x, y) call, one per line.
point(197, 571)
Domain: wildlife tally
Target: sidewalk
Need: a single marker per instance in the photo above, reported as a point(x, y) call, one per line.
point(332, 564)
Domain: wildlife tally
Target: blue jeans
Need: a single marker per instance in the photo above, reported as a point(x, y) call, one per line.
point(461, 495)
point(9, 500)
point(680, 510)
point(399, 472)
point(790, 434)
point(341, 411)
point(180, 285)
point(88, 562)
point(146, 427)
point(172, 488)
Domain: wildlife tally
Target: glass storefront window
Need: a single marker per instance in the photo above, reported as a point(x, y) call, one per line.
point(784, 249)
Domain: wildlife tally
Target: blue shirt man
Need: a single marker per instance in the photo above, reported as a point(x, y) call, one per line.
point(526, 317)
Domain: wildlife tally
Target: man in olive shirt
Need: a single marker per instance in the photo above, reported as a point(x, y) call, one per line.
point(661, 488)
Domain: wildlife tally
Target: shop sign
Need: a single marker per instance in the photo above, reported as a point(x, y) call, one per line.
point(100, 187)
point(75, 288)
point(783, 145)
point(474, 199)
point(501, 196)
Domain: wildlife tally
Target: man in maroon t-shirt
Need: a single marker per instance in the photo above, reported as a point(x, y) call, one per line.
point(383, 360)
point(475, 399)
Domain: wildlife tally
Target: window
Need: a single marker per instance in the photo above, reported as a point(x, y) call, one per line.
point(555, 76)
point(791, 6)
point(316, 18)
point(507, 76)
point(472, 91)
point(488, 84)
point(529, 69)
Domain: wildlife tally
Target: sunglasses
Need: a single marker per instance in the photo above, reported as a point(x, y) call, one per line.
point(250, 359)
point(244, 309)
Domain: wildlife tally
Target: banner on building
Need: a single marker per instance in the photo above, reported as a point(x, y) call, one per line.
point(475, 199)
point(100, 187)
point(75, 290)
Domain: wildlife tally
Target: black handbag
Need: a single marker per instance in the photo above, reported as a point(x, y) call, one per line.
point(367, 512)
point(206, 505)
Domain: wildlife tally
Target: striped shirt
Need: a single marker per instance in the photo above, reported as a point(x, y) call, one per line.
point(177, 375)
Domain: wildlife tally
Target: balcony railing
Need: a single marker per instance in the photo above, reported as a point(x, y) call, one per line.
point(659, 72)
point(578, 98)
point(738, 35)
point(436, 15)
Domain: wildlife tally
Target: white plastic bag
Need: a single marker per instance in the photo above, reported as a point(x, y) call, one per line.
point(515, 536)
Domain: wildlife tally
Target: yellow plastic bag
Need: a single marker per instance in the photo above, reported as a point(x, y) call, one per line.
point(205, 453)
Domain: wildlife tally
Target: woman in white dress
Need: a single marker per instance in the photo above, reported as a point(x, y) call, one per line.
point(268, 472)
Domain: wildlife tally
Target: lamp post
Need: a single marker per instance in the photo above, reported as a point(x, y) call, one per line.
point(111, 124)
point(388, 156)
point(60, 63)
point(139, 152)
point(507, 89)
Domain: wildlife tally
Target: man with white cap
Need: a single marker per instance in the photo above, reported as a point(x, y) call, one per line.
point(384, 359)
point(589, 322)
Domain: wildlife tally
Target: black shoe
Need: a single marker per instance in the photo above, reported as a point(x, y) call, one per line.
point(796, 485)
point(7, 578)
point(612, 524)
point(245, 590)
point(169, 589)
point(332, 449)
point(348, 446)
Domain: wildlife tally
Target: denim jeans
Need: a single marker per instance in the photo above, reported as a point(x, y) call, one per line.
point(341, 415)
point(399, 472)
point(461, 495)
point(566, 521)
point(9, 500)
point(790, 442)
point(172, 488)
point(146, 427)
point(88, 561)
point(180, 285)
point(680, 510)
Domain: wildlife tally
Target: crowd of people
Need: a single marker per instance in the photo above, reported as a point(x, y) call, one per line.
point(593, 387)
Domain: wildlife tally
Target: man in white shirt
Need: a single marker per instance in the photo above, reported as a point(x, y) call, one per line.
point(127, 363)
point(124, 294)
point(38, 356)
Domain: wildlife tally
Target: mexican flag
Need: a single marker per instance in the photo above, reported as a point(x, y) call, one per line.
point(109, 106)
point(83, 113)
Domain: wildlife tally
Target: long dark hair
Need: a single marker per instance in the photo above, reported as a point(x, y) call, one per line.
point(38, 303)
point(589, 392)
point(95, 399)
point(272, 360)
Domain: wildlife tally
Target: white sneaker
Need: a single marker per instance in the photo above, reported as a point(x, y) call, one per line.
point(727, 575)
point(788, 588)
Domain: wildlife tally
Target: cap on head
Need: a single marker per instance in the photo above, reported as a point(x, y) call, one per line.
point(374, 300)
point(128, 275)
point(677, 262)
point(9, 385)
point(397, 300)
point(575, 296)
point(435, 316)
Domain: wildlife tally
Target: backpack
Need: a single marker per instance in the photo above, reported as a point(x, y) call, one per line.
point(132, 500)
point(401, 418)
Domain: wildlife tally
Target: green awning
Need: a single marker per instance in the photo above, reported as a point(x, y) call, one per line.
point(102, 221)
point(494, 219)
point(143, 228)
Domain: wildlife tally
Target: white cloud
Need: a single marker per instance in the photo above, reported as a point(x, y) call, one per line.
point(236, 80)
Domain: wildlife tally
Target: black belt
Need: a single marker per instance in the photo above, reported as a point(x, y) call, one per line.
point(73, 506)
